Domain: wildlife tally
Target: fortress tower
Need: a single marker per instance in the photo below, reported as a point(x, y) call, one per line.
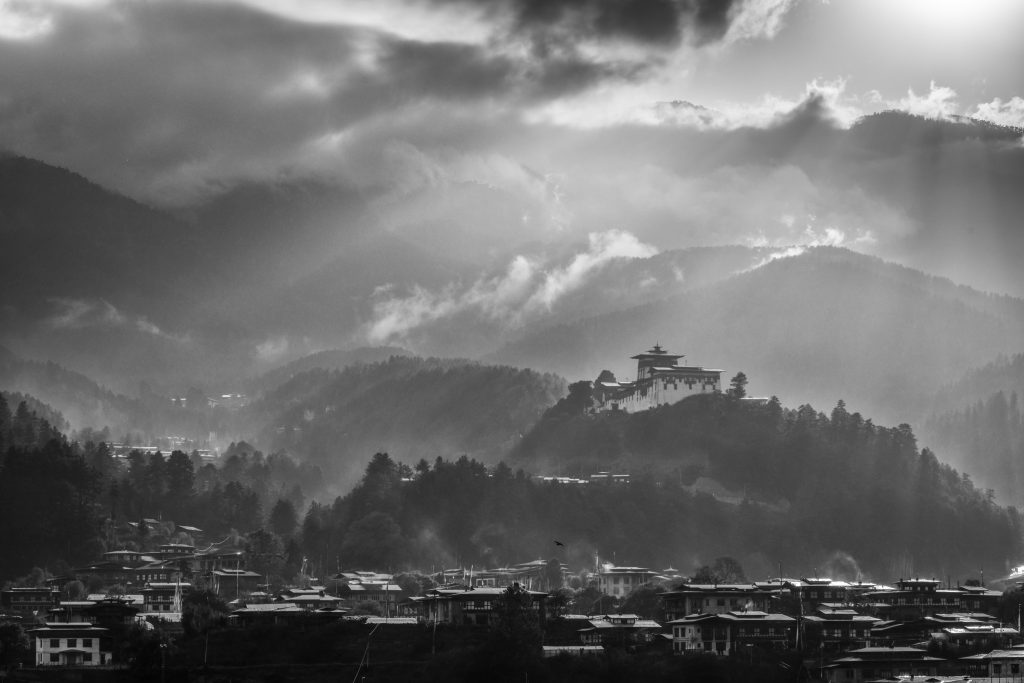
point(660, 379)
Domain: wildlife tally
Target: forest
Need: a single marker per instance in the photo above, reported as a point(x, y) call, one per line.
point(811, 488)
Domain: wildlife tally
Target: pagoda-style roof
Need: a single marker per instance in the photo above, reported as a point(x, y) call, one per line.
point(657, 353)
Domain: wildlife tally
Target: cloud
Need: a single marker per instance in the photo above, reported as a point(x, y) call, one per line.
point(158, 100)
point(526, 290)
point(939, 103)
point(272, 349)
point(74, 314)
point(811, 237)
point(1008, 113)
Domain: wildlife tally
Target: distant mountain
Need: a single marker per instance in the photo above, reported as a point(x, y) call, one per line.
point(826, 325)
point(409, 407)
point(67, 238)
point(1004, 374)
point(978, 421)
point(332, 359)
point(80, 401)
point(72, 401)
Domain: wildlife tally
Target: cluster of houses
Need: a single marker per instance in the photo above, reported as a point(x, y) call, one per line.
point(850, 631)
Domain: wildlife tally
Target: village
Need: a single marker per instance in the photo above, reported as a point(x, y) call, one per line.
point(167, 582)
point(843, 631)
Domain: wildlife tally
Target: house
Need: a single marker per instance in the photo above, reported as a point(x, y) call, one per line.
point(695, 598)
point(366, 586)
point(619, 630)
point(113, 613)
point(914, 598)
point(909, 632)
point(875, 663)
point(621, 581)
point(232, 583)
point(29, 601)
point(127, 558)
point(815, 591)
point(161, 571)
point(731, 632)
point(71, 644)
point(835, 629)
point(210, 560)
point(1000, 666)
point(110, 573)
point(310, 598)
point(164, 597)
point(69, 611)
point(659, 380)
point(978, 638)
point(471, 606)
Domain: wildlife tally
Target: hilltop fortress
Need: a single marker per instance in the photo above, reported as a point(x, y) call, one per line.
point(660, 379)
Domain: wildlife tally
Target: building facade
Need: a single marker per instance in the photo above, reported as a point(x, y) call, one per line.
point(74, 644)
point(660, 380)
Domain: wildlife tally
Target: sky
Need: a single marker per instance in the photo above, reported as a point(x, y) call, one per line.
point(538, 140)
point(173, 101)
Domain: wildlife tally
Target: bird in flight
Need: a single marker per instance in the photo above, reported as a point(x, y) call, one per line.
point(559, 543)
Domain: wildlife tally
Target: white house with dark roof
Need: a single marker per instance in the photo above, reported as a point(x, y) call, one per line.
point(71, 644)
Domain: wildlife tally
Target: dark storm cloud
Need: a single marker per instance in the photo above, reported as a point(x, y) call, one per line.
point(663, 22)
point(172, 101)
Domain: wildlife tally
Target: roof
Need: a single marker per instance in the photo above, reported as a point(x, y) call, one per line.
point(240, 573)
point(999, 654)
point(720, 587)
point(829, 619)
point(74, 630)
point(101, 599)
point(399, 621)
point(736, 617)
point(278, 607)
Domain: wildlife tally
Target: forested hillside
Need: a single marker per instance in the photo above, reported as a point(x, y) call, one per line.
point(812, 483)
point(987, 436)
point(811, 488)
point(63, 503)
point(410, 407)
point(977, 423)
point(331, 359)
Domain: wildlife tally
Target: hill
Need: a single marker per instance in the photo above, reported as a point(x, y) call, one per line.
point(330, 359)
point(411, 407)
point(79, 399)
point(93, 243)
point(816, 327)
point(816, 487)
point(979, 423)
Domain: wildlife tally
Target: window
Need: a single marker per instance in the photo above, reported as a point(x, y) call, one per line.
point(86, 642)
point(54, 657)
point(54, 642)
point(72, 642)
point(1015, 668)
point(997, 669)
point(87, 657)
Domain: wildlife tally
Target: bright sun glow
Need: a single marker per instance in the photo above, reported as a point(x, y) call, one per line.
point(944, 15)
